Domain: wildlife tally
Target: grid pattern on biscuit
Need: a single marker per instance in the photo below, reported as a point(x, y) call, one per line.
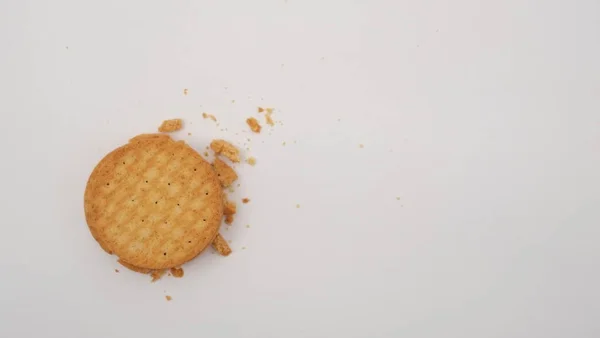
point(154, 203)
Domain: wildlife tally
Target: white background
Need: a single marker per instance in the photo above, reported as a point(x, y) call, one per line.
point(482, 116)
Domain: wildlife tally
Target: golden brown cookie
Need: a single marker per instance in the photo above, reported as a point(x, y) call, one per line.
point(154, 202)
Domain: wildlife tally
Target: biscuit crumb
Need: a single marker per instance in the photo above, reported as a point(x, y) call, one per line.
point(189, 134)
point(229, 208)
point(224, 172)
point(206, 153)
point(168, 298)
point(228, 220)
point(268, 117)
point(261, 109)
point(361, 145)
point(247, 225)
point(251, 161)
point(209, 116)
point(397, 198)
point(297, 205)
point(243, 248)
point(185, 91)
point(157, 274)
point(117, 270)
point(226, 149)
point(170, 126)
point(254, 125)
point(177, 272)
point(245, 200)
point(220, 244)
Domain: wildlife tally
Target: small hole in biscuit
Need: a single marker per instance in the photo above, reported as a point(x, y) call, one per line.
point(219, 175)
point(146, 181)
point(142, 221)
point(194, 169)
point(168, 183)
point(156, 202)
point(189, 241)
point(207, 193)
point(123, 162)
point(165, 253)
point(204, 220)
point(107, 183)
point(177, 204)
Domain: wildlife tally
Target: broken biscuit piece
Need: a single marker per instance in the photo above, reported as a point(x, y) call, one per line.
point(229, 208)
point(254, 125)
point(261, 109)
point(157, 274)
point(222, 147)
point(170, 126)
point(224, 172)
point(220, 244)
point(177, 272)
point(209, 116)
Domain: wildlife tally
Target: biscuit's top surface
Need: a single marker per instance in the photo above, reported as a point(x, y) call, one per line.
point(154, 202)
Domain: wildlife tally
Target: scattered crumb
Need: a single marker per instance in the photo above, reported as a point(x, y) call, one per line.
point(209, 116)
point(185, 91)
point(269, 119)
point(270, 110)
point(156, 275)
point(226, 149)
point(189, 134)
point(177, 272)
point(283, 144)
point(361, 145)
point(297, 205)
point(232, 101)
point(220, 244)
point(168, 298)
point(228, 220)
point(238, 185)
point(398, 198)
point(231, 190)
point(117, 270)
point(229, 208)
point(251, 161)
point(206, 153)
point(254, 125)
point(247, 225)
point(245, 200)
point(243, 248)
point(225, 173)
point(170, 125)
point(261, 109)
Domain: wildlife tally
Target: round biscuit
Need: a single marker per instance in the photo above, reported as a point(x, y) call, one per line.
point(154, 202)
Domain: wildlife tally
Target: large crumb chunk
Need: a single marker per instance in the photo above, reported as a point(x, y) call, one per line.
point(225, 173)
point(209, 116)
point(168, 298)
point(245, 200)
point(230, 208)
point(254, 125)
point(177, 272)
point(157, 274)
point(228, 219)
point(170, 126)
point(251, 161)
point(220, 244)
point(226, 149)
